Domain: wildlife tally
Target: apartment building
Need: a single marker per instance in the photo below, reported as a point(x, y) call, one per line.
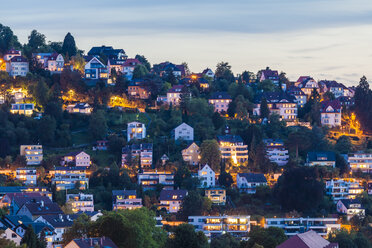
point(33, 153)
point(343, 189)
point(141, 151)
point(276, 151)
point(150, 179)
point(26, 109)
point(81, 202)
point(360, 161)
point(125, 199)
point(232, 147)
point(27, 175)
point(70, 177)
point(171, 200)
point(136, 130)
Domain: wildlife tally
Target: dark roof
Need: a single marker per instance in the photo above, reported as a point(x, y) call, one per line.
point(73, 154)
point(275, 97)
point(319, 156)
point(176, 89)
point(102, 242)
point(167, 195)
point(270, 74)
point(220, 95)
point(12, 51)
point(11, 189)
point(60, 220)
point(74, 168)
point(37, 226)
point(229, 138)
point(335, 104)
point(18, 59)
point(17, 219)
point(348, 202)
point(303, 79)
point(332, 83)
point(206, 70)
point(254, 177)
point(109, 51)
point(294, 90)
point(48, 208)
point(308, 239)
point(20, 200)
point(124, 192)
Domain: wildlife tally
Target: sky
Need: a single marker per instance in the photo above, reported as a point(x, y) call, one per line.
point(325, 39)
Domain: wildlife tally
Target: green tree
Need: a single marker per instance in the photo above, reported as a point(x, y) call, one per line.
point(343, 144)
point(143, 61)
point(210, 154)
point(46, 130)
point(264, 109)
point(139, 71)
point(36, 40)
point(7, 39)
point(30, 238)
point(223, 71)
point(266, 237)
point(225, 241)
point(98, 125)
point(186, 237)
point(69, 48)
point(41, 93)
point(81, 228)
point(195, 204)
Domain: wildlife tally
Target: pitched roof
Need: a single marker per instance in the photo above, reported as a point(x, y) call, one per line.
point(124, 192)
point(20, 200)
point(167, 195)
point(176, 89)
point(321, 156)
point(308, 239)
point(303, 79)
point(131, 63)
point(16, 219)
point(268, 73)
point(102, 242)
point(335, 104)
point(60, 220)
point(73, 154)
point(18, 59)
point(229, 138)
point(48, 208)
point(348, 202)
point(254, 177)
point(294, 90)
point(275, 97)
point(220, 95)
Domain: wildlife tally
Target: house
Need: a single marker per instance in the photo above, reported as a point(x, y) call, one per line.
point(207, 177)
point(164, 68)
point(183, 132)
point(82, 108)
point(125, 199)
point(248, 182)
point(307, 84)
point(27, 175)
point(269, 74)
point(81, 202)
point(191, 154)
point(101, 145)
point(321, 159)
point(360, 161)
point(109, 52)
point(77, 158)
point(11, 235)
point(279, 103)
point(150, 179)
point(174, 94)
point(70, 177)
point(11, 54)
point(101, 242)
point(136, 130)
point(309, 239)
point(55, 63)
point(95, 69)
point(214, 226)
point(216, 195)
point(195, 80)
point(208, 73)
point(60, 222)
point(171, 200)
point(142, 151)
point(34, 210)
point(343, 189)
point(33, 153)
point(128, 67)
point(350, 207)
point(139, 91)
point(293, 226)
point(346, 101)
point(337, 89)
point(40, 229)
point(232, 147)
point(5, 201)
point(17, 200)
point(276, 151)
point(300, 96)
point(330, 113)
point(42, 58)
point(22, 108)
point(220, 101)
point(115, 64)
point(18, 66)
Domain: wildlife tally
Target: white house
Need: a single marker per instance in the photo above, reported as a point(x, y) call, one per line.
point(18, 66)
point(82, 108)
point(174, 94)
point(350, 207)
point(128, 67)
point(11, 235)
point(276, 152)
point(208, 73)
point(330, 113)
point(191, 154)
point(55, 63)
point(248, 182)
point(11, 54)
point(33, 153)
point(150, 179)
point(81, 202)
point(321, 159)
point(77, 158)
point(343, 189)
point(95, 69)
point(307, 85)
point(22, 108)
point(184, 132)
point(207, 177)
point(220, 101)
point(360, 161)
point(136, 130)
point(27, 175)
point(171, 200)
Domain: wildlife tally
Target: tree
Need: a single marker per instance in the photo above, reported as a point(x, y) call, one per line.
point(298, 189)
point(225, 241)
point(195, 204)
point(186, 237)
point(210, 154)
point(138, 226)
point(98, 125)
point(266, 237)
point(80, 229)
point(6, 243)
point(7, 39)
point(46, 130)
point(349, 240)
point(69, 48)
point(36, 40)
point(225, 179)
point(264, 109)
point(223, 71)
point(363, 101)
point(30, 238)
point(343, 144)
point(139, 71)
point(41, 93)
point(143, 61)
point(299, 141)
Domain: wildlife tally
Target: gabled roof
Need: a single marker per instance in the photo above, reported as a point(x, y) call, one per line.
point(335, 104)
point(60, 220)
point(330, 84)
point(321, 156)
point(102, 242)
point(48, 208)
point(20, 200)
point(131, 63)
point(220, 95)
point(303, 79)
point(206, 166)
point(15, 220)
point(176, 89)
point(270, 74)
point(254, 177)
point(308, 239)
point(206, 70)
point(13, 51)
point(124, 192)
point(168, 195)
point(183, 124)
point(348, 202)
point(37, 226)
point(18, 59)
point(229, 138)
point(294, 90)
point(73, 154)
point(275, 97)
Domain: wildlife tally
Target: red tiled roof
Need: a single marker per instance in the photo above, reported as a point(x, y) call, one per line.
point(131, 62)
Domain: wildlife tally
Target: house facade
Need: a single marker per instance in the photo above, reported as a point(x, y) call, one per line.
point(150, 179)
point(276, 151)
point(33, 153)
point(220, 101)
point(343, 189)
point(330, 113)
point(171, 200)
point(350, 207)
point(125, 199)
point(70, 177)
point(95, 69)
point(77, 158)
point(183, 132)
point(18, 66)
point(232, 147)
point(360, 161)
point(321, 159)
point(26, 109)
point(207, 177)
point(142, 151)
point(248, 182)
point(81, 202)
point(27, 175)
point(216, 195)
point(81, 108)
point(136, 130)
point(191, 154)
